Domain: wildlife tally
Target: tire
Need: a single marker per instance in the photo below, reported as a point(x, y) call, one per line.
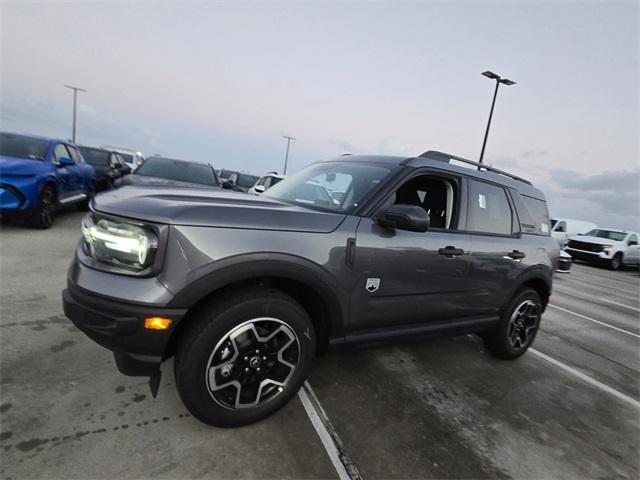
point(616, 262)
point(220, 352)
point(83, 206)
point(518, 326)
point(42, 216)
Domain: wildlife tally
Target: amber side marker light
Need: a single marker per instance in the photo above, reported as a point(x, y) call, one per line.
point(157, 323)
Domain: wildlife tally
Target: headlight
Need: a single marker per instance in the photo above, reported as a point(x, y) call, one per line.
point(119, 244)
point(606, 248)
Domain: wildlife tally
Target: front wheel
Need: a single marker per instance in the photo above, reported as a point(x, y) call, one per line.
point(243, 357)
point(616, 262)
point(42, 217)
point(518, 326)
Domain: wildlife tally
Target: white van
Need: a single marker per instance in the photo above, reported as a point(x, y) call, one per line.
point(563, 228)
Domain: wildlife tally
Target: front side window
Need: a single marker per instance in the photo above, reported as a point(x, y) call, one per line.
point(488, 209)
point(75, 155)
point(436, 195)
point(19, 146)
point(633, 240)
point(177, 170)
point(59, 152)
point(246, 181)
point(333, 186)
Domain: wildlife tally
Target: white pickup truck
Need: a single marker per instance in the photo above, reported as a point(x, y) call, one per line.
point(610, 247)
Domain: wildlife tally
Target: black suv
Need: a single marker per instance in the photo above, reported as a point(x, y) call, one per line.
point(245, 291)
point(107, 164)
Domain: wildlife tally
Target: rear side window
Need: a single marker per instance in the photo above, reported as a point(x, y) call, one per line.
point(488, 209)
point(533, 215)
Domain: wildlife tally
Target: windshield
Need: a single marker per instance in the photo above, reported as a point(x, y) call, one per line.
point(608, 234)
point(553, 223)
point(333, 186)
point(246, 181)
point(95, 156)
point(23, 147)
point(177, 170)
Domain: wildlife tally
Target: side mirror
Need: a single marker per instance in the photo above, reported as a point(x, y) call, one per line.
point(65, 162)
point(227, 184)
point(405, 217)
point(632, 242)
point(259, 188)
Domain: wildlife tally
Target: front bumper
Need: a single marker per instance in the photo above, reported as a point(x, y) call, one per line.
point(587, 256)
point(119, 326)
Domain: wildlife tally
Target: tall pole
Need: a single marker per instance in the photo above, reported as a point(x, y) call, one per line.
point(286, 155)
point(486, 133)
point(75, 103)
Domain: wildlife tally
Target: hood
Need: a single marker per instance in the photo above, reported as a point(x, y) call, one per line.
point(212, 208)
point(135, 179)
point(594, 240)
point(22, 166)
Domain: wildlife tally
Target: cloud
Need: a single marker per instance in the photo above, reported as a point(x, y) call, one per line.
point(618, 180)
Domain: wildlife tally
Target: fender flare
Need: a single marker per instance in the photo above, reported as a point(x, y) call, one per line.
point(237, 268)
point(538, 273)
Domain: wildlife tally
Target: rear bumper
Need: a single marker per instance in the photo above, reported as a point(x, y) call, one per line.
point(119, 326)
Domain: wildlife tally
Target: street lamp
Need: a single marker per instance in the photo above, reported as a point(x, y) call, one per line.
point(75, 95)
point(286, 155)
point(499, 80)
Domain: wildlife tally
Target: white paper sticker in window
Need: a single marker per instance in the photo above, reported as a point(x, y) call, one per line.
point(544, 228)
point(482, 201)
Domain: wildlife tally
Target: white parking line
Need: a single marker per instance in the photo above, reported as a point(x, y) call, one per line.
point(595, 321)
point(587, 378)
point(620, 304)
point(346, 469)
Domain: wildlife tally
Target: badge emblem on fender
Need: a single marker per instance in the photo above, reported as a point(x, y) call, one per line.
point(372, 284)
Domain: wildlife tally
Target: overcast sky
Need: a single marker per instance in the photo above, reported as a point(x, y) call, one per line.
point(221, 82)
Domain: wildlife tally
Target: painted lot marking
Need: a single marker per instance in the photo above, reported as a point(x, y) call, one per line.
point(595, 321)
point(345, 467)
point(635, 309)
point(587, 378)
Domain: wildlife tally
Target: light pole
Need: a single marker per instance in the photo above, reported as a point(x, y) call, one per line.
point(286, 155)
point(75, 95)
point(498, 80)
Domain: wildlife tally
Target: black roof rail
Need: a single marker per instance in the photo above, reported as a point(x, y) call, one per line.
point(447, 157)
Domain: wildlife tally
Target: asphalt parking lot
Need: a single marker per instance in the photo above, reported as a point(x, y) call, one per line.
point(440, 409)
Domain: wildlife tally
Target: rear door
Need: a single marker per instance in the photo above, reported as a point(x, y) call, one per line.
point(632, 253)
point(498, 250)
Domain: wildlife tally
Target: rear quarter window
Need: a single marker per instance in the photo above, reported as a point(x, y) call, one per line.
point(532, 213)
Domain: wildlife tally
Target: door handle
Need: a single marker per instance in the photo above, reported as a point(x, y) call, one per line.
point(516, 254)
point(450, 251)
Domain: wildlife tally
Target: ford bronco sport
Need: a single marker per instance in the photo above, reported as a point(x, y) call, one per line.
point(245, 291)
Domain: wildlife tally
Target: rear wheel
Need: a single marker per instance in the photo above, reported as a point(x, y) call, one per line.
point(42, 216)
point(518, 326)
point(243, 357)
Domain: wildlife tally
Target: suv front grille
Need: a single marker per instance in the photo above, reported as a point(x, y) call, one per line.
point(588, 247)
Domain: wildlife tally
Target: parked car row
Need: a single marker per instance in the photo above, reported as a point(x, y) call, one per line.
point(38, 175)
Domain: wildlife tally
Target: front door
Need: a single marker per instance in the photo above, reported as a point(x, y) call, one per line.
point(403, 277)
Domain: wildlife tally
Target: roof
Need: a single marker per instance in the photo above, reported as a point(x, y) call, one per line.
point(494, 175)
point(39, 137)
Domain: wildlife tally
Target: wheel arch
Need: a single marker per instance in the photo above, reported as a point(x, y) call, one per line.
point(307, 283)
point(539, 279)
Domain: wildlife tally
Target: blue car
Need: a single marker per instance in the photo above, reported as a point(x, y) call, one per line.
point(38, 175)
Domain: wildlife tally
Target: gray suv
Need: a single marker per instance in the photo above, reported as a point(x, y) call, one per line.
point(246, 291)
